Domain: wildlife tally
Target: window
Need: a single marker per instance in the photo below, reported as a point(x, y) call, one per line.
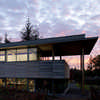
point(2, 55)
point(32, 54)
point(11, 55)
point(21, 54)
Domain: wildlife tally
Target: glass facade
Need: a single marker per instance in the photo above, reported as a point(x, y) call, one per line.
point(2, 55)
point(19, 83)
point(22, 54)
point(11, 82)
point(26, 54)
point(32, 54)
point(11, 55)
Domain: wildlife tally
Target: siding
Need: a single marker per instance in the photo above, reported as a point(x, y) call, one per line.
point(33, 69)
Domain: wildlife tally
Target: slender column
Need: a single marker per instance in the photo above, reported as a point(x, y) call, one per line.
point(27, 54)
point(16, 54)
point(60, 57)
point(27, 84)
point(5, 80)
point(34, 85)
point(16, 81)
point(53, 86)
point(53, 53)
point(38, 53)
point(5, 55)
point(82, 69)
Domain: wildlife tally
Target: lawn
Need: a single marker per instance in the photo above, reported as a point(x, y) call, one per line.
point(87, 86)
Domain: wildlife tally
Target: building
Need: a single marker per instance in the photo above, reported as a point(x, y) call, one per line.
point(24, 65)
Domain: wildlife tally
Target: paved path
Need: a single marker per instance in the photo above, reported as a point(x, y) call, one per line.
point(74, 93)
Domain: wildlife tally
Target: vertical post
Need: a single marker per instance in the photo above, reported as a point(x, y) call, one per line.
point(60, 57)
point(16, 54)
point(53, 53)
point(82, 69)
point(53, 57)
point(38, 53)
point(27, 84)
point(53, 86)
point(27, 54)
point(5, 80)
point(5, 55)
point(34, 85)
point(16, 83)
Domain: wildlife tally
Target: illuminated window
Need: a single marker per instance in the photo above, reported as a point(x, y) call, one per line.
point(2, 55)
point(31, 85)
point(21, 54)
point(11, 55)
point(32, 54)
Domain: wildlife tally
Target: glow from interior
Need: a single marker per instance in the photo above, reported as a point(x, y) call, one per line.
point(19, 55)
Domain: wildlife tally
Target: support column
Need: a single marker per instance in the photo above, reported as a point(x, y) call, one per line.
point(38, 53)
point(53, 55)
point(82, 69)
point(5, 55)
point(53, 86)
point(16, 54)
point(27, 54)
point(16, 81)
point(5, 81)
point(60, 57)
point(27, 84)
point(34, 85)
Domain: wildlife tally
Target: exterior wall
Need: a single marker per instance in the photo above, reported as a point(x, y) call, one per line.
point(33, 69)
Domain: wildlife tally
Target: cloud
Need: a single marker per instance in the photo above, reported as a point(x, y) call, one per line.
point(55, 18)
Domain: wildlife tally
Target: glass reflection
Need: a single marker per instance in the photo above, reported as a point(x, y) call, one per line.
point(21, 54)
point(2, 55)
point(32, 54)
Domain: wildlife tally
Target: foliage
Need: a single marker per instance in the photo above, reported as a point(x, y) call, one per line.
point(0, 39)
point(6, 40)
point(75, 74)
point(94, 63)
point(30, 32)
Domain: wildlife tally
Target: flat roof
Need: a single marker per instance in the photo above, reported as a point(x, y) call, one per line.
point(67, 45)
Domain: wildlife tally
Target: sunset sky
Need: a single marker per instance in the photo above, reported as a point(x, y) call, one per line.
point(55, 18)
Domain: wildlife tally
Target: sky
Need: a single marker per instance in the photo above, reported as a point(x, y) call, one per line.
point(54, 18)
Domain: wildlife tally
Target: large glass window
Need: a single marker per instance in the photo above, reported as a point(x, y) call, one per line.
point(21, 54)
point(32, 54)
point(11, 55)
point(2, 55)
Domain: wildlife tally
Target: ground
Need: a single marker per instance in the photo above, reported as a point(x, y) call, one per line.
point(74, 93)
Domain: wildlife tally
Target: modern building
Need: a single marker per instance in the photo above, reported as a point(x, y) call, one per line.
point(31, 65)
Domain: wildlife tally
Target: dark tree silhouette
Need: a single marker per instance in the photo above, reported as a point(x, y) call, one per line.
point(94, 62)
point(6, 40)
point(90, 63)
point(30, 32)
point(0, 39)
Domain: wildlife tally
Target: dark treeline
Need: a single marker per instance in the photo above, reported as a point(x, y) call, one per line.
point(29, 32)
point(91, 76)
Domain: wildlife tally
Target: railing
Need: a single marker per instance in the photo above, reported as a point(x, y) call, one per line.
point(34, 69)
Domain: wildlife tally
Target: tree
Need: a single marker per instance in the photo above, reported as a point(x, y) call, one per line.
point(90, 64)
point(6, 40)
point(0, 39)
point(30, 32)
point(94, 62)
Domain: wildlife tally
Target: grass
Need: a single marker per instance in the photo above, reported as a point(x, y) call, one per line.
point(87, 86)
